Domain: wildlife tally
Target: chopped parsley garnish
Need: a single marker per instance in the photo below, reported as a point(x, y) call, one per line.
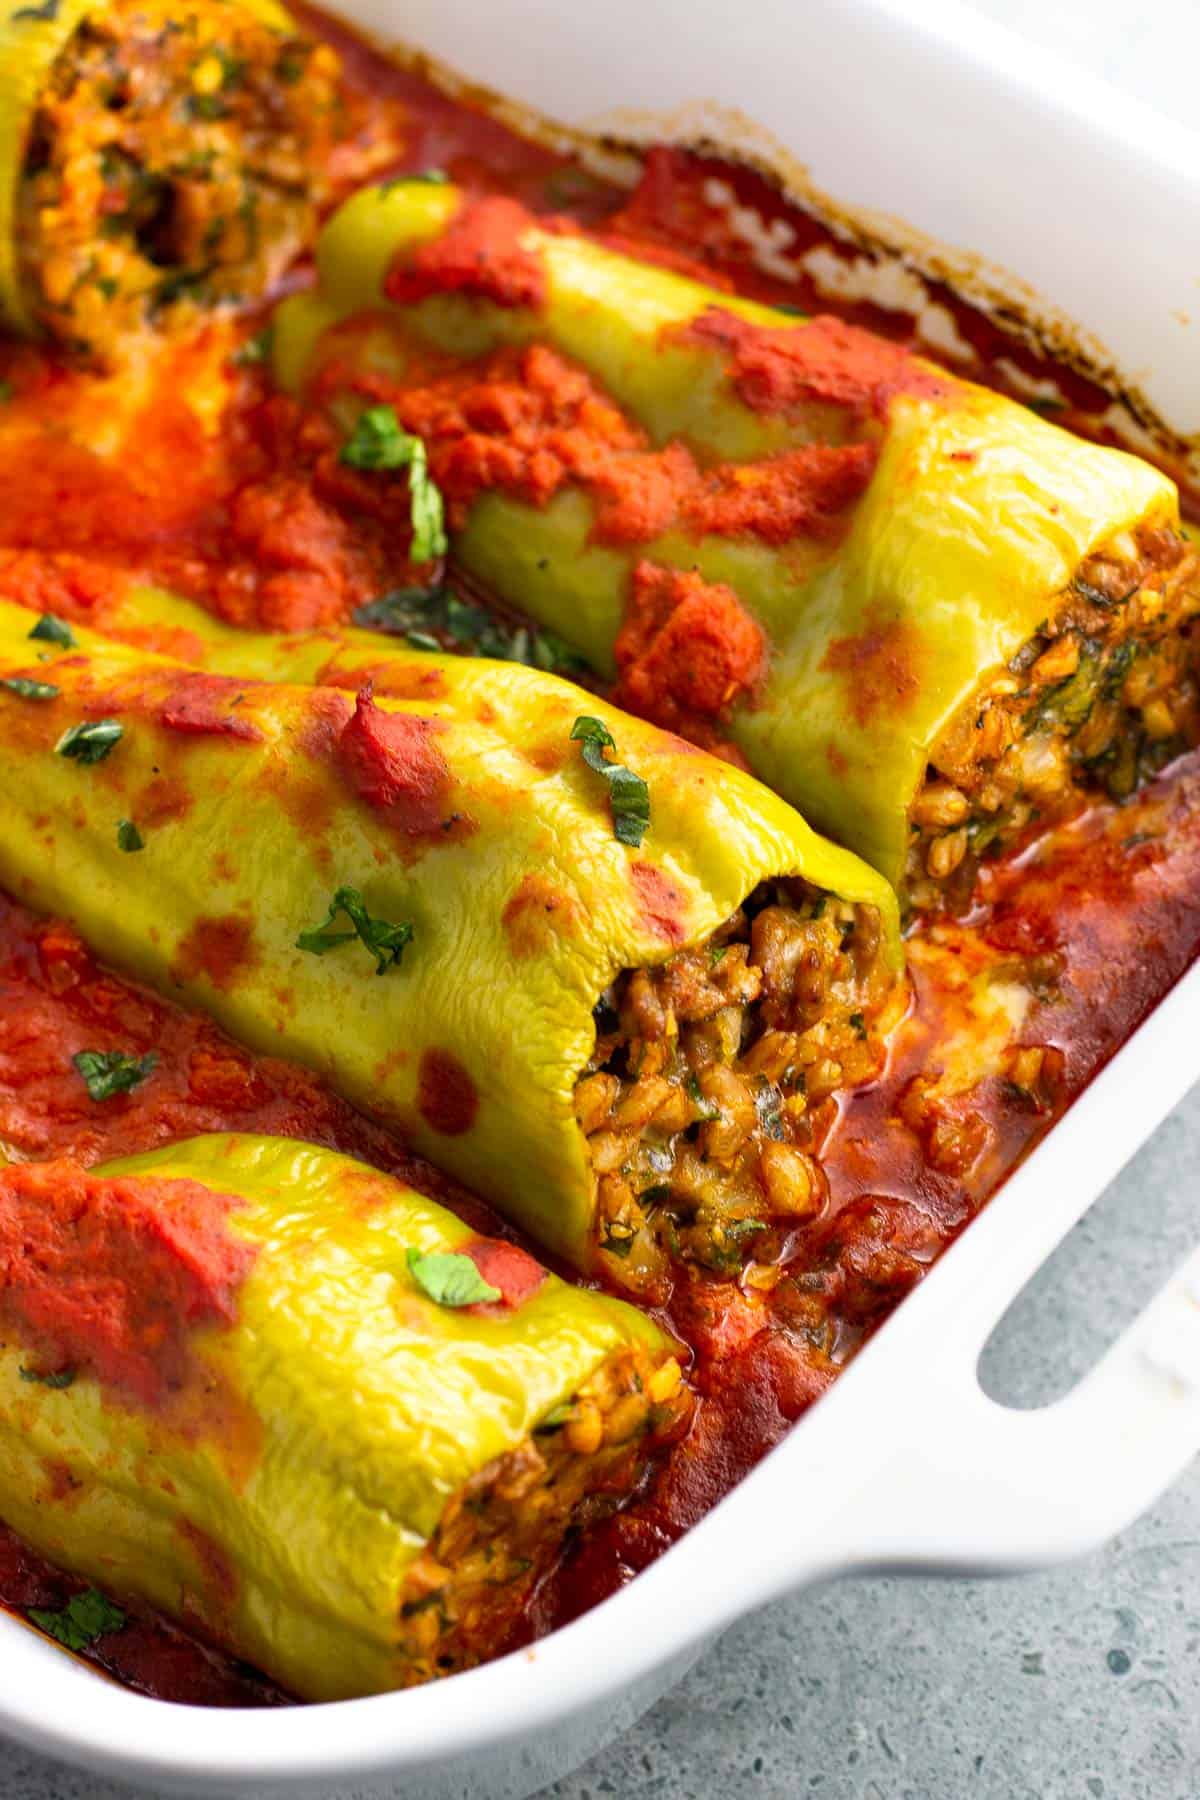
point(617, 1239)
point(45, 14)
point(50, 629)
point(129, 838)
point(435, 618)
point(6, 392)
point(107, 1072)
point(655, 1195)
point(379, 442)
point(386, 942)
point(431, 178)
point(708, 1109)
point(767, 1105)
point(400, 611)
point(449, 1278)
point(256, 349)
point(91, 741)
point(55, 1378)
point(629, 793)
point(1045, 403)
point(557, 1417)
point(83, 1619)
point(29, 690)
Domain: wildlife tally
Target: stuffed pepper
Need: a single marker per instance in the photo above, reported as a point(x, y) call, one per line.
point(303, 1407)
point(605, 979)
point(922, 613)
point(153, 157)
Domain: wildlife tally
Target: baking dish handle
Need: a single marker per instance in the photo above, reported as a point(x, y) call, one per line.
point(996, 1490)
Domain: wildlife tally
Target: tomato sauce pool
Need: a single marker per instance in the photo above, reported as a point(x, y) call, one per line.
point(1094, 921)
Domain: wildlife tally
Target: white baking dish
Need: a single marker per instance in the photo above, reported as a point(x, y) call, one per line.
point(906, 1464)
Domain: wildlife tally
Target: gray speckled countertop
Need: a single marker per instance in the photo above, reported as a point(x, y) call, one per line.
point(1083, 1684)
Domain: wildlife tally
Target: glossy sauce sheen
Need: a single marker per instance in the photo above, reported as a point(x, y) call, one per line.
point(1093, 923)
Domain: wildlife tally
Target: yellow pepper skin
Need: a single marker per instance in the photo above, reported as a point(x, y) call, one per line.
point(351, 1408)
point(524, 906)
point(31, 39)
point(975, 521)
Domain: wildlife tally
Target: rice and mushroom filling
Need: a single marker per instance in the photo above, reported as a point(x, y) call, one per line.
point(176, 159)
point(501, 1531)
point(1103, 696)
point(715, 1078)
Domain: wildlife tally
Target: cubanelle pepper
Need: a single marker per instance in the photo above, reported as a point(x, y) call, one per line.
point(924, 614)
point(153, 156)
point(296, 1403)
point(609, 981)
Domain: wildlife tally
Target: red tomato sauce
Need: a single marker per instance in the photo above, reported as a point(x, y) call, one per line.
point(528, 422)
point(260, 520)
point(480, 255)
point(110, 1277)
point(686, 651)
point(822, 359)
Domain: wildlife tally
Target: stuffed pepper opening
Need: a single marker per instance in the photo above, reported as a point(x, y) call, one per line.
point(1101, 697)
point(502, 1530)
point(173, 158)
point(305, 1408)
point(716, 1076)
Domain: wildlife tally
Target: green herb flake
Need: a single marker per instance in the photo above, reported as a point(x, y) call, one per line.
point(656, 1195)
point(629, 794)
point(6, 392)
point(129, 838)
point(292, 63)
point(426, 177)
point(255, 350)
point(91, 741)
point(449, 1279)
point(53, 1378)
point(386, 942)
point(83, 1619)
point(858, 1023)
point(400, 610)
point(50, 629)
point(45, 14)
point(411, 1608)
point(107, 1073)
point(379, 443)
point(29, 690)
point(706, 1108)
point(557, 1417)
point(418, 614)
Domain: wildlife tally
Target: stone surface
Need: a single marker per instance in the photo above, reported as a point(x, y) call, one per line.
point(1083, 1684)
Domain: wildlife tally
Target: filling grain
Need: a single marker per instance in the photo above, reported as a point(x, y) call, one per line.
point(715, 1077)
point(175, 160)
point(1103, 696)
point(501, 1531)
